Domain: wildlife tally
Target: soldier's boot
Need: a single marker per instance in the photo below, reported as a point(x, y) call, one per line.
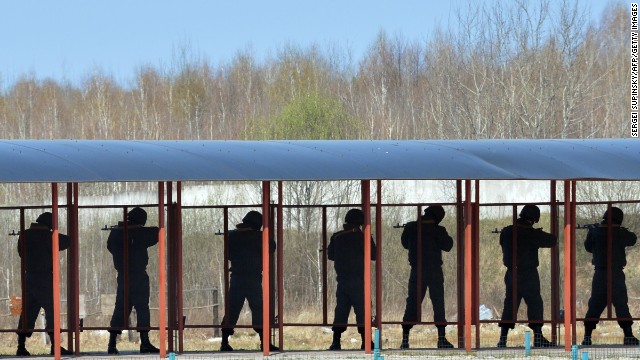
point(271, 346)
point(629, 339)
point(224, 345)
point(405, 339)
point(588, 330)
point(145, 345)
point(22, 350)
point(111, 348)
point(63, 351)
point(443, 343)
point(539, 340)
point(502, 342)
point(362, 344)
point(335, 344)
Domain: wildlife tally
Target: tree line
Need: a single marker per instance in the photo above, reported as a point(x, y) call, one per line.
point(513, 69)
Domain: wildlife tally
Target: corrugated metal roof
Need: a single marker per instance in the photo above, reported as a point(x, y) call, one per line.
point(122, 160)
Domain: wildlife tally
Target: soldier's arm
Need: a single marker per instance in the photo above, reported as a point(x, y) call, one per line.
point(331, 249)
point(546, 240)
point(373, 249)
point(149, 236)
point(445, 242)
point(630, 238)
point(63, 242)
point(588, 242)
point(408, 235)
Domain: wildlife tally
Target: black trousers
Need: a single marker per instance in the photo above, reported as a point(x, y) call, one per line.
point(433, 280)
point(349, 293)
point(39, 294)
point(528, 289)
point(138, 298)
point(598, 300)
point(243, 287)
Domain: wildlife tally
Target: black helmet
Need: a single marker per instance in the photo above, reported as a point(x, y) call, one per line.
point(531, 213)
point(435, 212)
point(45, 219)
point(137, 216)
point(616, 216)
point(354, 216)
point(253, 219)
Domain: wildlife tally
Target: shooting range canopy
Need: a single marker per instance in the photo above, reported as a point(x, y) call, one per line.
point(26, 161)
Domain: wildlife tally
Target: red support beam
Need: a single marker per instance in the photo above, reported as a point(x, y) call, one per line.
point(476, 261)
point(324, 266)
point(162, 279)
point(568, 305)
point(178, 239)
point(468, 268)
point(266, 328)
point(609, 259)
point(379, 257)
point(460, 263)
point(555, 264)
point(280, 245)
point(573, 262)
point(366, 205)
point(419, 264)
point(171, 270)
point(55, 257)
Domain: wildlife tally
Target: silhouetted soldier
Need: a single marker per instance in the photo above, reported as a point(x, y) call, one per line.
point(346, 250)
point(139, 239)
point(37, 254)
point(245, 254)
point(434, 240)
point(525, 267)
point(596, 243)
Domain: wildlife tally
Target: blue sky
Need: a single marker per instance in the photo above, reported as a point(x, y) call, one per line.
point(68, 39)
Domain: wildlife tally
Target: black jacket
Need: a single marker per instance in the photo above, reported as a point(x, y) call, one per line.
point(245, 251)
point(435, 240)
point(140, 238)
point(346, 250)
point(38, 251)
point(596, 243)
point(529, 240)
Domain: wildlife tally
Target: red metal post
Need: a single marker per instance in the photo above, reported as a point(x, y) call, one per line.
point(476, 260)
point(468, 268)
point(23, 284)
point(460, 262)
point(324, 266)
point(419, 264)
point(125, 242)
point(379, 257)
point(568, 305)
point(555, 269)
point(573, 261)
point(266, 328)
point(514, 263)
point(178, 240)
point(366, 205)
point(73, 283)
point(279, 239)
point(171, 270)
point(162, 295)
point(55, 253)
point(609, 259)
point(226, 265)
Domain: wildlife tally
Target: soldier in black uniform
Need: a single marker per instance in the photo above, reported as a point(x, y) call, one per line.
point(346, 250)
point(139, 239)
point(245, 254)
point(525, 267)
point(596, 243)
point(435, 240)
point(37, 254)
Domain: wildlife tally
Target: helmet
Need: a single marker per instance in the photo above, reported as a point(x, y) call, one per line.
point(435, 212)
point(253, 219)
point(45, 219)
point(616, 216)
point(354, 216)
point(137, 216)
point(531, 213)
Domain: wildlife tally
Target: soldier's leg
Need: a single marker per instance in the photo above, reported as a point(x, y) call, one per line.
point(507, 319)
point(529, 286)
point(341, 314)
point(414, 300)
point(118, 317)
point(30, 309)
point(620, 301)
point(597, 304)
point(139, 298)
point(436, 293)
point(236, 298)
